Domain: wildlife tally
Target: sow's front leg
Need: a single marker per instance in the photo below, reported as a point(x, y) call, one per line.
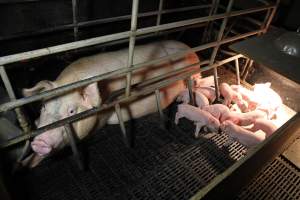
point(147, 105)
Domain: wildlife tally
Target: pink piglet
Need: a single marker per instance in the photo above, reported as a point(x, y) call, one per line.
point(200, 118)
point(245, 137)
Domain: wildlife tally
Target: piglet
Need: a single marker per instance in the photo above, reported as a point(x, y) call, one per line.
point(229, 94)
point(200, 99)
point(235, 108)
point(244, 119)
point(200, 117)
point(209, 92)
point(219, 111)
point(268, 100)
point(247, 95)
point(245, 137)
point(265, 125)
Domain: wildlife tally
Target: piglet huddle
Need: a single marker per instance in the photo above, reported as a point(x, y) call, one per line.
point(245, 115)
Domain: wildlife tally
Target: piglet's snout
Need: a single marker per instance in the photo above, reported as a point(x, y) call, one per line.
point(46, 142)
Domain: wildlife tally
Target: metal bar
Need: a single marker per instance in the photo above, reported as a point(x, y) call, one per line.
point(230, 182)
point(146, 14)
point(264, 26)
point(245, 65)
point(214, 53)
point(122, 125)
point(97, 47)
point(237, 71)
point(247, 70)
point(271, 16)
point(160, 111)
point(135, 7)
point(108, 38)
point(63, 89)
point(173, 73)
point(20, 115)
point(75, 16)
point(191, 93)
point(159, 13)
point(133, 96)
point(213, 11)
point(231, 53)
point(72, 140)
point(16, 1)
point(99, 21)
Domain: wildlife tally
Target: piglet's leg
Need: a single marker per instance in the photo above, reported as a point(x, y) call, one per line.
point(199, 125)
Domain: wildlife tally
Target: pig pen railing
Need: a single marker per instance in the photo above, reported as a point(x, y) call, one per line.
point(183, 73)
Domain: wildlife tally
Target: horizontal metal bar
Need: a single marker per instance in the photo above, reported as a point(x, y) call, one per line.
point(72, 86)
point(201, 20)
point(147, 14)
point(102, 39)
point(100, 21)
point(17, 1)
point(133, 96)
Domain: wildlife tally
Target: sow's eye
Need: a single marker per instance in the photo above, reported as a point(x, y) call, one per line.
point(72, 110)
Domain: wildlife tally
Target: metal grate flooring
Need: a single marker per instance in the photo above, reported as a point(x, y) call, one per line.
point(279, 180)
point(162, 165)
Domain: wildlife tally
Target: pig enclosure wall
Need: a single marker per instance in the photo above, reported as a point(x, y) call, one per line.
point(216, 21)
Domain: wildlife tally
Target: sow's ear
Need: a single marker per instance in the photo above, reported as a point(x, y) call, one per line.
point(39, 87)
point(91, 95)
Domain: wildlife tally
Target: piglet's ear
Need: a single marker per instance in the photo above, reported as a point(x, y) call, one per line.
point(91, 95)
point(39, 87)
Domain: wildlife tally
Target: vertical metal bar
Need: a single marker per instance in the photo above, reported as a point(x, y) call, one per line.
point(237, 71)
point(75, 17)
point(20, 115)
point(216, 48)
point(160, 8)
point(158, 103)
point(134, 13)
point(247, 70)
point(268, 22)
point(190, 88)
point(245, 65)
point(71, 138)
point(122, 124)
point(212, 11)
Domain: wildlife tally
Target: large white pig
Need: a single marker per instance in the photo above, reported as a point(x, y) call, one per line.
point(200, 99)
point(95, 94)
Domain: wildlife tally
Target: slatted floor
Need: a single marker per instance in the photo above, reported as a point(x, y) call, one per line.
point(162, 165)
point(279, 180)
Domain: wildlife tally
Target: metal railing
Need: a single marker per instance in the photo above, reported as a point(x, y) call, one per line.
point(154, 84)
point(113, 37)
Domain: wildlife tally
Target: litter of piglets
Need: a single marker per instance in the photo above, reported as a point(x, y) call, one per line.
point(247, 116)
